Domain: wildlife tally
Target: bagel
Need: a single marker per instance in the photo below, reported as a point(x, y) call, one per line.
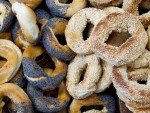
point(10, 68)
point(63, 9)
point(31, 3)
point(56, 26)
point(19, 98)
point(131, 89)
point(27, 22)
point(87, 86)
point(6, 17)
point(76, 26)
point(43, 78)
point(129, 50)
point(108, 103)
point(49, 104)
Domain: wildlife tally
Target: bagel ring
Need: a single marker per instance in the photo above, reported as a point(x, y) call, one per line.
point(49, 104)
point(43, 78)
point(106, 101)
point(6, 16)
point(18, 37)
point(131, 89)
point(63, 9)
point(31, 3)
point(105, 3)
point(19, 98)
point(56, 26)
point(87, 86)
point(27, 22)
point(10, 68)
point(129, 50)
point(76, 26)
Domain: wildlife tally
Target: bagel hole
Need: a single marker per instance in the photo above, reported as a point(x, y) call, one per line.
point(51, 93)
point(87, 31)
point(117, 38)
point(39, 25)
point(69, 1)
point(2, 61)
point(82, 74)
point(61, 39)
point(95, 107)
point(66, 1)
point(44, 60)
point(142, 82)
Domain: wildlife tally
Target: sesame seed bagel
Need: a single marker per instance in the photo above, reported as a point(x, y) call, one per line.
point(76, 26)
point(131, 89)
point(91, 75)
point(126, 52)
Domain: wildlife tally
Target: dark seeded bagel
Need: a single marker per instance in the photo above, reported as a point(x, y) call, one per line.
point(61, 9)
point(50, 42)
point(48, 104)
point(43, 78)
